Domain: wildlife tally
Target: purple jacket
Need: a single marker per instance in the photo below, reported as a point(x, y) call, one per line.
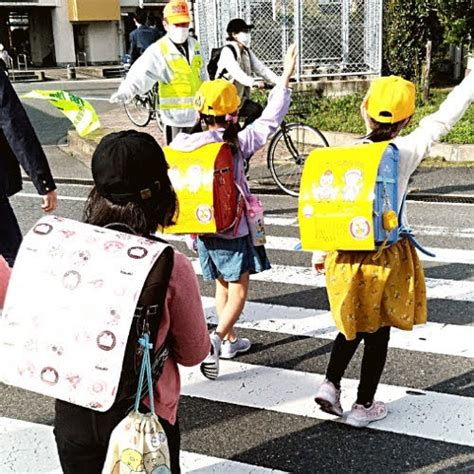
point(251, 139)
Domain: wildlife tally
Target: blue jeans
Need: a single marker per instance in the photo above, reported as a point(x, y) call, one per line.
point(10, 233)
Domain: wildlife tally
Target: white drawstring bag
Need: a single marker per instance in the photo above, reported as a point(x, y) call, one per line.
point(138, 443)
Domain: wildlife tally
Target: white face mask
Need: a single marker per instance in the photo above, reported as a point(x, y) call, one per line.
point(243, 38)
point(178, 34)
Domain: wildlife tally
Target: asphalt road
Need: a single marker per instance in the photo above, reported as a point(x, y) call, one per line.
point(259, 416)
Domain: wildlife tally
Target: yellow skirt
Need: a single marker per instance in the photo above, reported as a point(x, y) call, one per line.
point(366, 294)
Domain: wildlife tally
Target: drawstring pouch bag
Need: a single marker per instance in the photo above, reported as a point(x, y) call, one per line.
point(254, 216)
point(138, 443)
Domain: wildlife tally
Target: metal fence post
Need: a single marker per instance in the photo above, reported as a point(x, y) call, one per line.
point(345, 31)
point(298, 40)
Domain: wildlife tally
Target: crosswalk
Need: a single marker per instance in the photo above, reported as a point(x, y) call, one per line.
point(260, 416)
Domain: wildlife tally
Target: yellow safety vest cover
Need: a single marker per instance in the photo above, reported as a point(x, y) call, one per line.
point(192, 176)
point(335, 209)
point(186, 80)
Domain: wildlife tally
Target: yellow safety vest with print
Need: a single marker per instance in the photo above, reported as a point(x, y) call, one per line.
point(339, 199)
point(178, 95)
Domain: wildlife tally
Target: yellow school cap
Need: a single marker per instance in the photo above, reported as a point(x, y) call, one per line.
point(217, 98)
point(176, 11)
point(391, 99)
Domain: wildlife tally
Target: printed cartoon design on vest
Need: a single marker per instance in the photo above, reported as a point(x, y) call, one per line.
point(353, 184)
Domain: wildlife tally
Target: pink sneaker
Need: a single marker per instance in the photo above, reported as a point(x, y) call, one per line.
point(328, 398)
point(360, 416)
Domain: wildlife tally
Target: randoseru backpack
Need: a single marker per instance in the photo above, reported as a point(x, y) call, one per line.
point(215, 56)
point(204, 182)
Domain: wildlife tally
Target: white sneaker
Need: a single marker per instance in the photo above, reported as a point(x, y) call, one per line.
point(329, 398)
point(210, 365)
point(230, 349)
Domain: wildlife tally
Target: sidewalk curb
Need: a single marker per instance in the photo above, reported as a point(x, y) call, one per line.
point(82, 148)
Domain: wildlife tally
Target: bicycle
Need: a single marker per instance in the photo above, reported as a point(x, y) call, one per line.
point(291, 145)
point(144, 108)
point(288, 151)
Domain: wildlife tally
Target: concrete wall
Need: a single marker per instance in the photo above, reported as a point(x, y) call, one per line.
point(102, 40)
point(63, 34)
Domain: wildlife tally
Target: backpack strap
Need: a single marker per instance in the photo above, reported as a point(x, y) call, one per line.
point(146, 321)
point(234, 52)
point(150, 308)
point(407, 232)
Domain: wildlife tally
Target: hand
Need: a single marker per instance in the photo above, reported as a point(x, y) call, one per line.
point(50, 201)
point(289, 63)
point(259, 84)
point(363, 113)
point(120, 97)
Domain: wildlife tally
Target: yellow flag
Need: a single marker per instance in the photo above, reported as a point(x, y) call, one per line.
point(77, 110)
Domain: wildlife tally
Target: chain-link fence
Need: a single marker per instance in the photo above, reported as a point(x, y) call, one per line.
point(334, 37)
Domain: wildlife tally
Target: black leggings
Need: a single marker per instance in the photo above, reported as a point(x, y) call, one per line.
point(82, 436)
point(373, 361)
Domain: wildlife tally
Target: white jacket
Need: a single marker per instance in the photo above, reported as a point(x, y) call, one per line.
point(150, 68)
point(239, 71)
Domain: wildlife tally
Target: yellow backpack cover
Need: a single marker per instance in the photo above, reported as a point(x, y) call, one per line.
point(336, 202)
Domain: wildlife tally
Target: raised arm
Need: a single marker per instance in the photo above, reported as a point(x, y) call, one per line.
point(414, 146)
point(255, 136)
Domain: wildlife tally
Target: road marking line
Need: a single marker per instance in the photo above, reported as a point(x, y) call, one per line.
point(30, 448)
point(436, 288)
point(428, 415)
point(435, 338)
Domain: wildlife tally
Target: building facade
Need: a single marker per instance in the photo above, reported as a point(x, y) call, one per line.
point(50, 33)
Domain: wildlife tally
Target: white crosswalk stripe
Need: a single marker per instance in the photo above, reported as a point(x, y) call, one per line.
point(437, 338)
point(441, 414)
point(429, 415)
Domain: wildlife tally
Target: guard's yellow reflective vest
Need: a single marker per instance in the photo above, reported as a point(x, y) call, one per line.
point(186, 79)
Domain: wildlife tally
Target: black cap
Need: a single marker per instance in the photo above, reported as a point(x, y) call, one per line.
point(128, 167)
point(237, 25)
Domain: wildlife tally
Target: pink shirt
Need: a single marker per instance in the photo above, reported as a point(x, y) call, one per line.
point(183, 317)
point(5, 272)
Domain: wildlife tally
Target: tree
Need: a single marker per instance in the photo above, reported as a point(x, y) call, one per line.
point(457, 20)
point(408, 24)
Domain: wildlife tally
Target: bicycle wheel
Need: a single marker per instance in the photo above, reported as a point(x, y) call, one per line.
point(156, 111)
point(288, 151)
point(139, 111)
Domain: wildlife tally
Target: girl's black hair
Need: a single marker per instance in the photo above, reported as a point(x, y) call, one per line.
point(144, 217)
point(384, 131)
point(231, 129)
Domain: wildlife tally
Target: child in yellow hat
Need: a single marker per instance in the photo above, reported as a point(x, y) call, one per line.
point(229, 257)
point(368, 296)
